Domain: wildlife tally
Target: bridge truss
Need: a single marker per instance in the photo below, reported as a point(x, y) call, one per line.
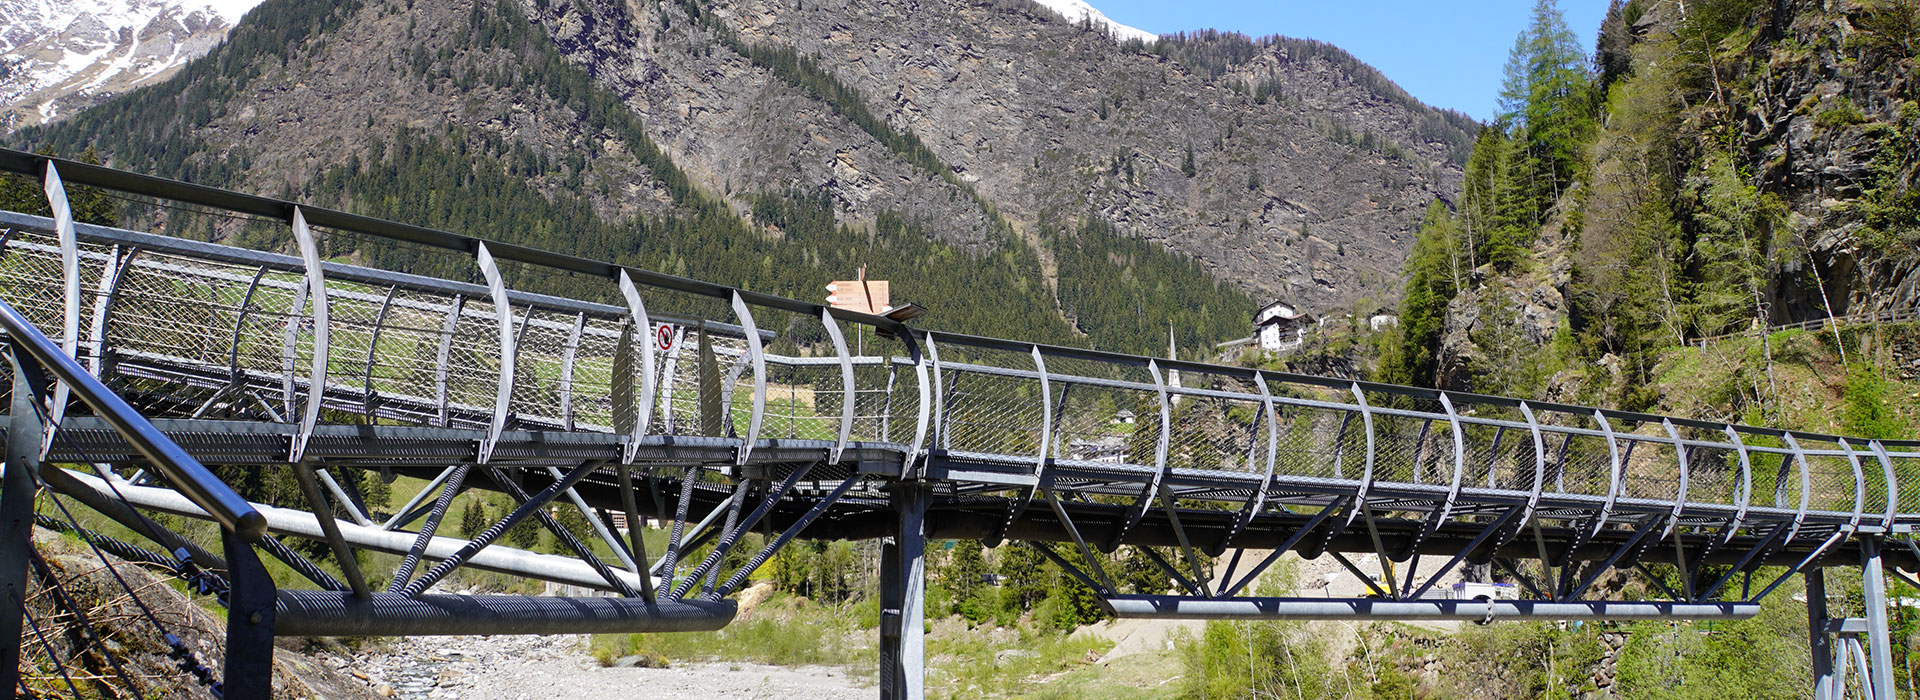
point(716, 412)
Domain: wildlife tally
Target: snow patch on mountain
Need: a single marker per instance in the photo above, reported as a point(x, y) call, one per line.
point(60, 56)
point(1078, 12)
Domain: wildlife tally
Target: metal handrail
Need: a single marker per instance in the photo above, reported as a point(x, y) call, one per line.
point(1881, 316)
point(180, 469)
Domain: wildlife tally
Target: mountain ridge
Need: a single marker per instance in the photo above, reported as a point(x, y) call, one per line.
point(62, 56)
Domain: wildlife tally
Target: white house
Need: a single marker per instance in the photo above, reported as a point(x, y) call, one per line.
point(1280, 327)
point(1111, 449)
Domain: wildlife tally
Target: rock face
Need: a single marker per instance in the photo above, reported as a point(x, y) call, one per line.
point(58, 57)
point(1291, 170)
point(1832, 125)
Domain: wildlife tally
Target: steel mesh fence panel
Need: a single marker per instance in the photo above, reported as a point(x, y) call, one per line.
point(1483, 444)
point(353, 313)
point(1098, 422)
point(540, 345)
point(804, 401)
point(887, 402)
point(405, 362)
point(993, 414)
point(1316, 443)
point(590, 394)
point(1650, 469)
point(1873, 477)
point(180, 309)
point(1832, 479)
point(35, 284)
point(473, 365)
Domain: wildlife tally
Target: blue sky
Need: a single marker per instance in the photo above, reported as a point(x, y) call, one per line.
point(1448, 54)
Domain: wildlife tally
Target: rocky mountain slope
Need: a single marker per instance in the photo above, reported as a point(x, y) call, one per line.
point(58, 57)
point(1748, 164)
point(1047, 121)
point(997, 130)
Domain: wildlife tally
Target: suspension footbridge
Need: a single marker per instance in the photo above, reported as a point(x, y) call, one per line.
point(139, 359)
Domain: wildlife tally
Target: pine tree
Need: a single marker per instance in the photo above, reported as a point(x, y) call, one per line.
point(1547, 103)
point(966, 578)
point(1610, 52)
point(524, 534)
point(473, 519)
point(1423, 310)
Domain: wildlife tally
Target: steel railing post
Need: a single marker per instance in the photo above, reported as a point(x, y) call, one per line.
point(759, 359)
point(503, 390)
point(845, 431)
point(569, 355)
point(642, 342)
point(70, 296)
point(317, 372)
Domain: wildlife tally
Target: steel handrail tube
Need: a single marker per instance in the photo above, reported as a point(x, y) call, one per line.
point(181, 470)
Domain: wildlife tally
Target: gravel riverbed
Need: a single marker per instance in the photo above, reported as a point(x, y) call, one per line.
point(534, 668)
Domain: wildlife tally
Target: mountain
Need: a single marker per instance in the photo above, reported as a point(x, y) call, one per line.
point(1098, 188)
point(58, 57)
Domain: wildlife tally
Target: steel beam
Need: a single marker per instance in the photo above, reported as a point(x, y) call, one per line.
point(1685, 466)
point(370, 403)
point(323, 516)
point(17, 491)
point(923, 408)
point(112, 271)
point(1820, 643)
point(566, 371)
point(1177, 608)
point(300, 523)
point(239, 323)
point(334, 614)
point(1366, 472)
point(442, 363)
point(1873, 590)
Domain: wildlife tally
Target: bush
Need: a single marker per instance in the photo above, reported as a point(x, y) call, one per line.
point(1839, 115)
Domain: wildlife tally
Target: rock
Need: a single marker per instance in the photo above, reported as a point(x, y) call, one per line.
point(1006, 655)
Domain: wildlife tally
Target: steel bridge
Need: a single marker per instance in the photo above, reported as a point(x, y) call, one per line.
point(137, 358)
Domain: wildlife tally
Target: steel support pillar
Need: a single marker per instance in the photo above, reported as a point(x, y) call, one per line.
point(16, 525)
point(903, 588)
point(1820, 643)
point(250, 613)
point(1873, 591)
